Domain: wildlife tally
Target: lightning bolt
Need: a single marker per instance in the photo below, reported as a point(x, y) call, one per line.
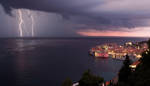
point(32, 22)
point(20, 23)
point(32, 25)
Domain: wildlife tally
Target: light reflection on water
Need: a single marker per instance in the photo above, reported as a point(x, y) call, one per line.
point(105, 69)
point(22, 45)
point(22, 64)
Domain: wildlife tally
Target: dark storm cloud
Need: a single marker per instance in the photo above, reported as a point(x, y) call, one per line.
point(96, 14)
point(64, 7)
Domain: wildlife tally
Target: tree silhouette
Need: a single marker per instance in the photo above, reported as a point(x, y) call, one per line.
point(125, 71)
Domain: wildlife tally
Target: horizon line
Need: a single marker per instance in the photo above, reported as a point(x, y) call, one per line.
point(82, 37)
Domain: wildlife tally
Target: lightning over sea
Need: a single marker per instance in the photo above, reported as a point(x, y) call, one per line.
point(22, 23)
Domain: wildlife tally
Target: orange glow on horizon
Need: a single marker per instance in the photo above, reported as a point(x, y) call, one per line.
point(137, 32)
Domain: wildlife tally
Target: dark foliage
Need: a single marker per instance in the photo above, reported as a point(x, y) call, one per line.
point(88, 79)
point(67, 82)
point(125, 71)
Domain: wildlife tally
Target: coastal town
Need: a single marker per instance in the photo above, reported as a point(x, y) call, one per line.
point(115, 51)
point(120, 52)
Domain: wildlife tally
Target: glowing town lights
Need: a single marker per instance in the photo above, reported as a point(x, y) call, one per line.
point(135, 64)
point(132, 66)
point(119, 51)
point(139, 56)
point(129, 43)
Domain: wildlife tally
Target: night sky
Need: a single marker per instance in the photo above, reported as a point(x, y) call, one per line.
point(75, 18)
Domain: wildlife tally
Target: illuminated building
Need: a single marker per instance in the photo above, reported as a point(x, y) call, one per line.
point(134, 65)
point(129, 43)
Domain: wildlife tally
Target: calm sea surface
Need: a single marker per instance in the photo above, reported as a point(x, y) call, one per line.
point(47, 62)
